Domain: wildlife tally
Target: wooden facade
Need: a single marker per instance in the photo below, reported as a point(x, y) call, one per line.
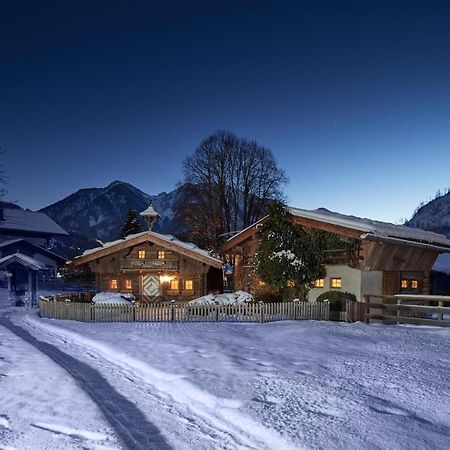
point(154, 268)
point(368, 262)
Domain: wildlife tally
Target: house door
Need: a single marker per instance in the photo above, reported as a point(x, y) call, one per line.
point(150, 287)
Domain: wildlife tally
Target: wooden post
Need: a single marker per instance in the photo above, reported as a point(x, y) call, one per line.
point(261, 311)
point(399, 302)
point(216, 308)
point(172, 311)
point(440, 315)
point(367, 303)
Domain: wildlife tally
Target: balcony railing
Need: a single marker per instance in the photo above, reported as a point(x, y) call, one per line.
point(149, 264)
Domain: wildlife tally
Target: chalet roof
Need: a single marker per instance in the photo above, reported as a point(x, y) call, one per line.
point(29, 221)
point(23, 260)
point(372, 227)
point(367, 229)
point(166, 240)
point(36, 248)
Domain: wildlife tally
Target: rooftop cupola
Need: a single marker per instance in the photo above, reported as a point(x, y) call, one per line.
point(150, 216)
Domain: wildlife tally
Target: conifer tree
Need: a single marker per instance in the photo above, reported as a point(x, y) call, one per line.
point(131, 224)
point(288, 255)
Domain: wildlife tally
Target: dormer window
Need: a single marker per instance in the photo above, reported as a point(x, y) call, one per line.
point(141, 254)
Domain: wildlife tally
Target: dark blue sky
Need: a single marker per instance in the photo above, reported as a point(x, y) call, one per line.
point(353, 98)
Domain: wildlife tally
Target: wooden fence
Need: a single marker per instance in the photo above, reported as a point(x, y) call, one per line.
point(412, 309)
point(252, 312)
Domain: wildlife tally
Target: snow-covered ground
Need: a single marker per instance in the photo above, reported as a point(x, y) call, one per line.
point(313, 385)
point(41, 407)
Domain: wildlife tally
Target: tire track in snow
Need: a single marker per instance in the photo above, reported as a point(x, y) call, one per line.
point(218, 417)
point(131, 425)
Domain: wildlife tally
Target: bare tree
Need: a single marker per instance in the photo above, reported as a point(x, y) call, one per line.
point(231, 183)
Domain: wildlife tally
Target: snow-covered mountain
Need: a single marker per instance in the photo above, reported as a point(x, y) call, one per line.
point(433, 216)
point(99, 213)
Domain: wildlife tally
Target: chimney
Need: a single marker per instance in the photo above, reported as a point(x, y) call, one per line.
point(150, 216)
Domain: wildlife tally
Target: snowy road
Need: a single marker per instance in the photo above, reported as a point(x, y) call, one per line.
point(130, 424)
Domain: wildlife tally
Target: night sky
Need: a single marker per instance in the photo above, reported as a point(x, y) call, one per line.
point(353, 98)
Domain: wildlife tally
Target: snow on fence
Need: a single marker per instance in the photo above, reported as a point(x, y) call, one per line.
point(251, 312)
point(412, 309)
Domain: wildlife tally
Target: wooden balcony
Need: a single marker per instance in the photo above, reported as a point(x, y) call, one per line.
point(341, 256)
point(149, 264)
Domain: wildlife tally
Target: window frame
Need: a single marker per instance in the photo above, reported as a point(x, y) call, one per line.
point(128, 284)
point(142, 254)
point(339, 279)
point(319, 283)
point(161, 254)
point(191, 281)
point(174, 280)
point(113, 283)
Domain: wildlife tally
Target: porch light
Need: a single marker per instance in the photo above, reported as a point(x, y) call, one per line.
point(165, 278)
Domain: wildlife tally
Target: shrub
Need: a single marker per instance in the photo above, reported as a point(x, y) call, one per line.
point(268, 298)
point(337, 299)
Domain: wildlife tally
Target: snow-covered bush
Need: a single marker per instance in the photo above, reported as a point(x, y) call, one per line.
point(113, 297)
point(233, 298)
point(337, 299)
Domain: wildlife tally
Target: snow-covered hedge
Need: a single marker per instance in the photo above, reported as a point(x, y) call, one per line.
point(233, 298)
point(113, 297)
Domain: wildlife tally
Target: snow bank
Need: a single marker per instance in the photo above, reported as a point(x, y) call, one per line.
point(232, 298)
point(113, 297)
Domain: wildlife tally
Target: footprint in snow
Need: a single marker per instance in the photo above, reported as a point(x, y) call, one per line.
point(4, 421)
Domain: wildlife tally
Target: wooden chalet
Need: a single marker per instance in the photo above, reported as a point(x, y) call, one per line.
point(374, 257)
point(153, 266)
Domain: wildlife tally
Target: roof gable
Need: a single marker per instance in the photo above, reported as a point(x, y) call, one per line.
point(168, 241)
point(23, 260)
point(34, 247)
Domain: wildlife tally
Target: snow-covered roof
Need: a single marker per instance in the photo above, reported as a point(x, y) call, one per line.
point(23, 260)
point(372, 227)
point(29, 221)
point(37, 249)
point(151, 235)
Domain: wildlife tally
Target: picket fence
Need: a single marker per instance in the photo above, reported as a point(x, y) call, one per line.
point(252, 312)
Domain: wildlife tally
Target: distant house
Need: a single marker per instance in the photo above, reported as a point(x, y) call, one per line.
point(375, 257)
point(35, 227)
point(24, 251)
point(153, 266)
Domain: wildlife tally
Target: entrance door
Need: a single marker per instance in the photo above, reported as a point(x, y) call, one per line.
point(150, 287)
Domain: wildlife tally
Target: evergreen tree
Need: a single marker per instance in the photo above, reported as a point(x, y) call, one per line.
point(131, 224)
point(288, 256)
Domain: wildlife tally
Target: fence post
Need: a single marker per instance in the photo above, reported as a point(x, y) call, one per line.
point(440, 316)
point(216, 308)
point(261, 311)
point(367, 303)
point(296, 302)
point(172, 311)
point(92, 312)
point(399, 302)
point(327, 309)
point(134, 306)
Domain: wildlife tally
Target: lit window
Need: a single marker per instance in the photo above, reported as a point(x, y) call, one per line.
point(113, 284)
point(336, 283)
point(319, 283)
point(290, 283)
point(414, 284)
point(174, 285)
point(141, 254)
point(161, 255)
point(262, 283)
point(128, 284)
point(188, 285)
point(404, 284)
